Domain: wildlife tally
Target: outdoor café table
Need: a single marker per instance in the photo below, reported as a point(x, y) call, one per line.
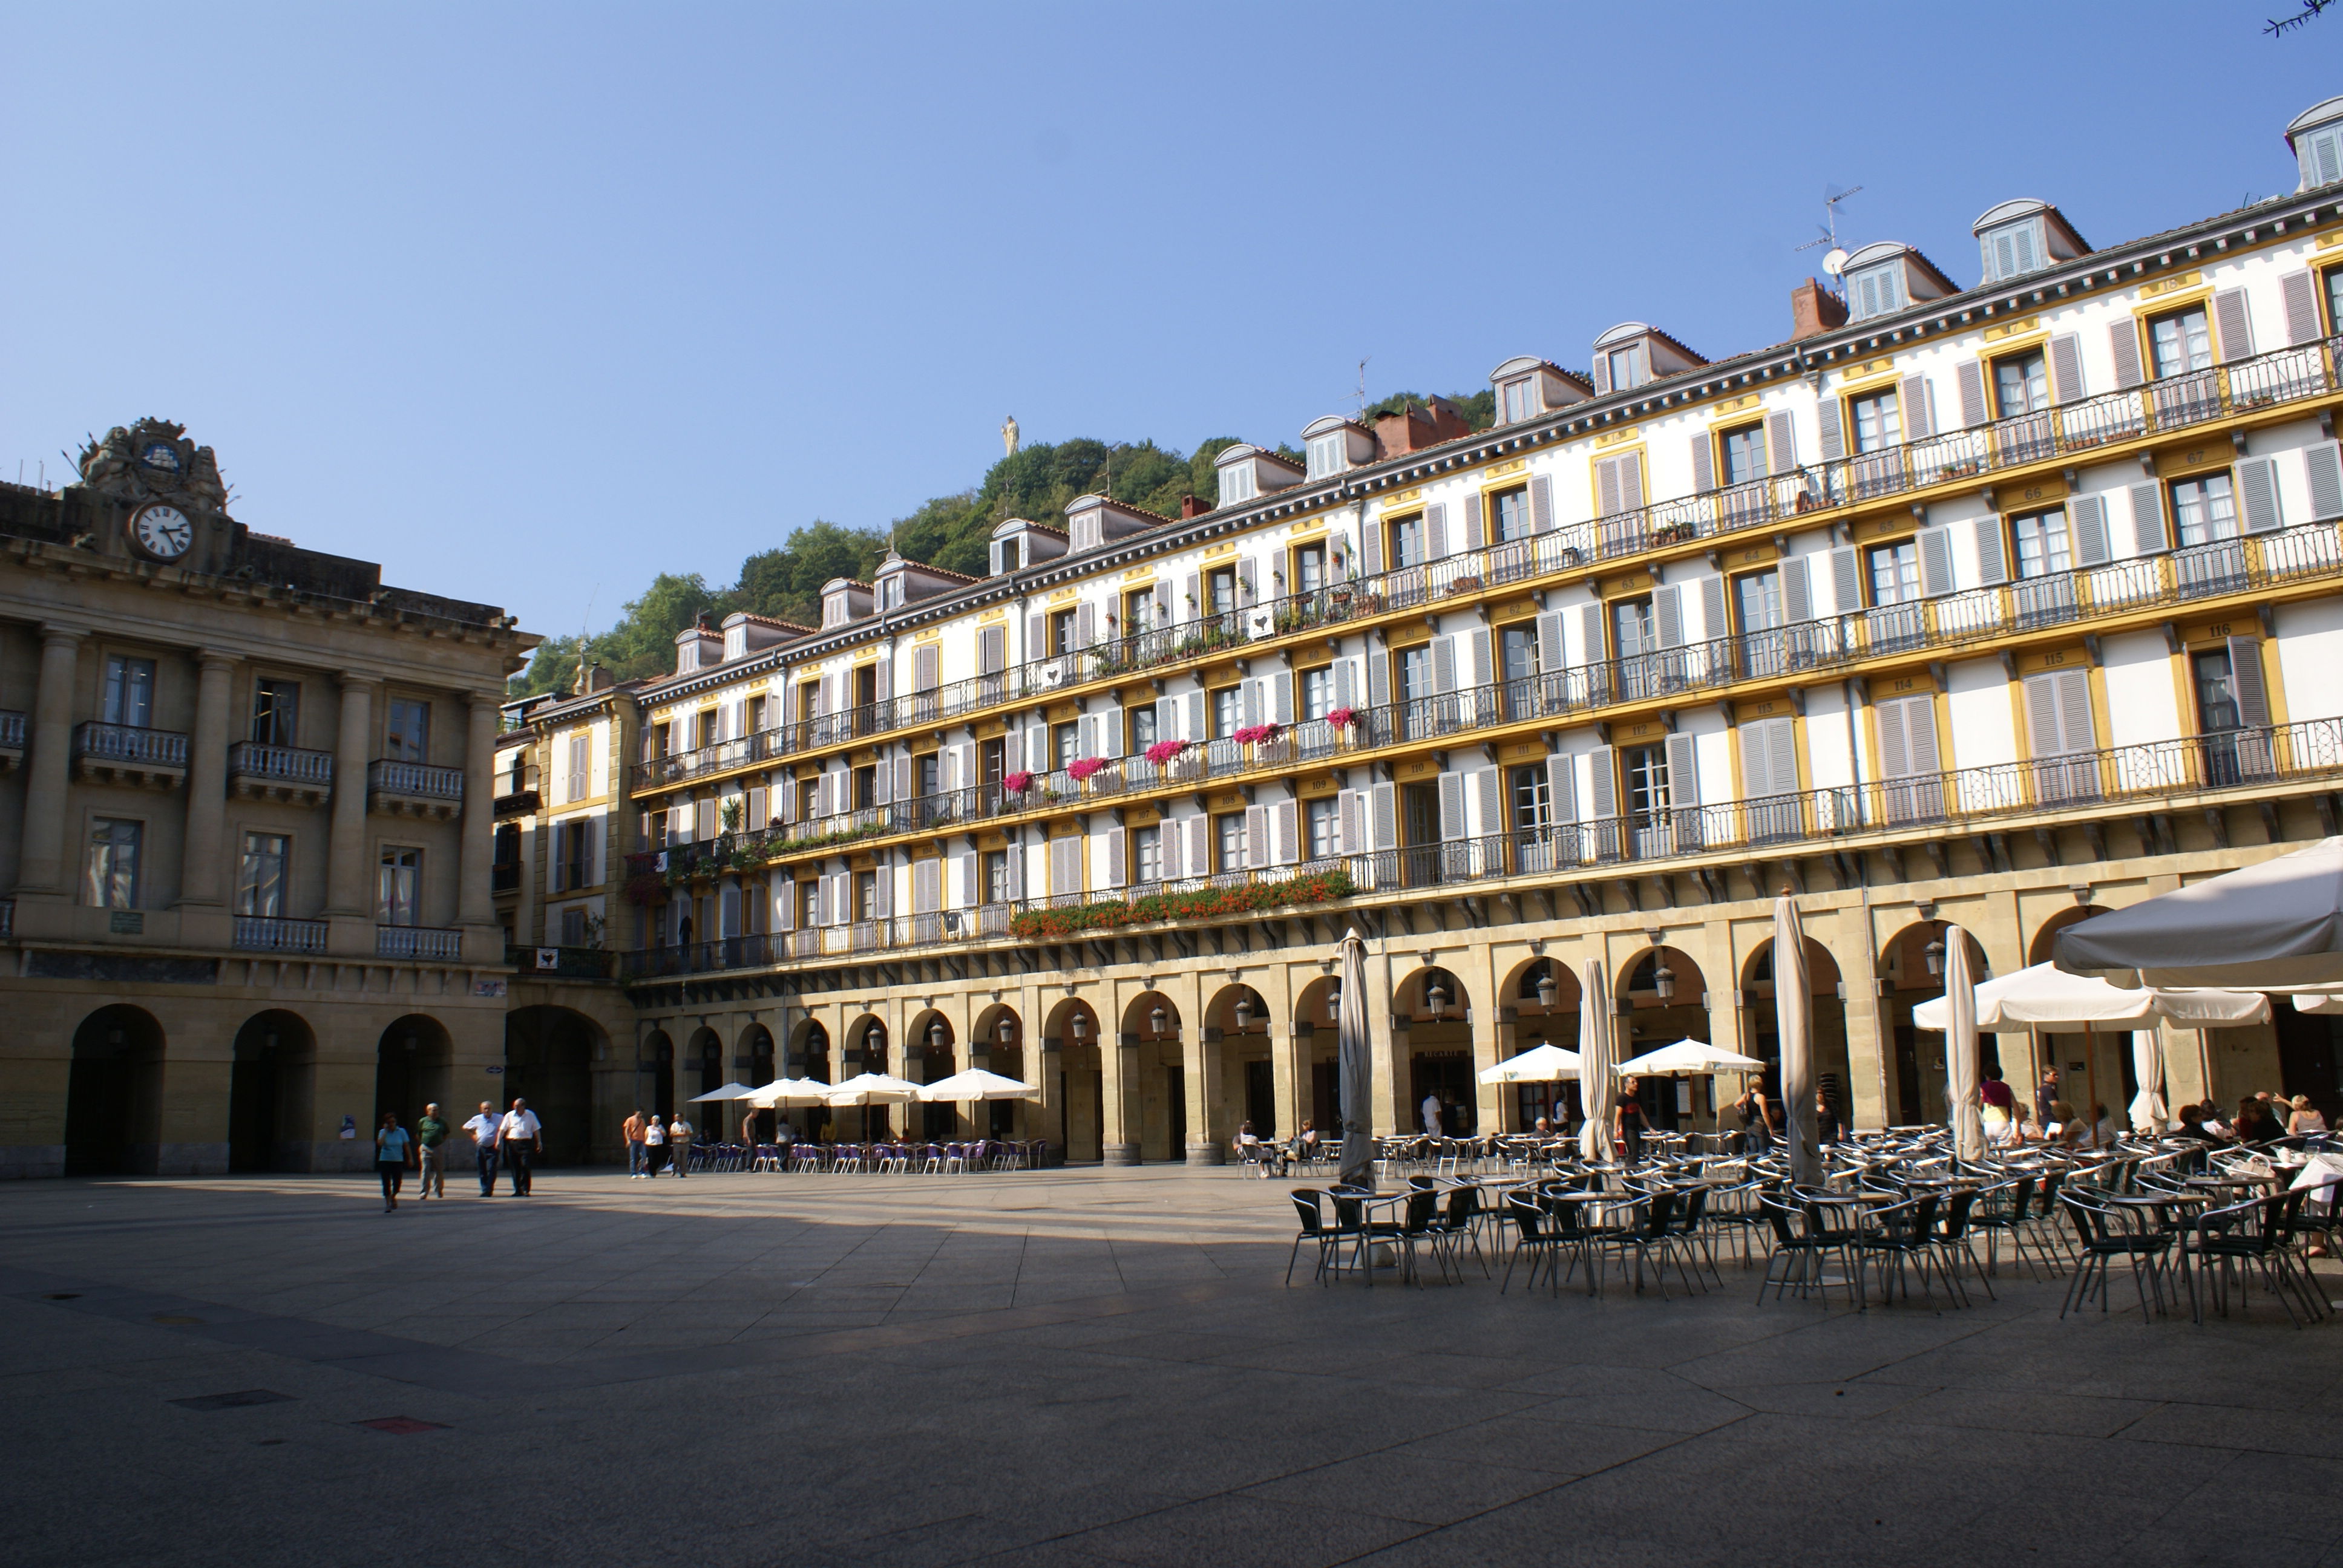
point(2159, 1205)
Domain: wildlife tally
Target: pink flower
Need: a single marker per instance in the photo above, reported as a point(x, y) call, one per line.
point(1163, 751)
point(1083, 767)
point(1253, 733)
point(1017, 783)
point(1342, 718)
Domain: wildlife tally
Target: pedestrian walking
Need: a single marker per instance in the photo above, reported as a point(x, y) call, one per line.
point(483, 1128)
point(521, 1137)
point(679, 1145)
point(391, 1144)
point(430, 1155)
point(633, 1128)
point(654, 1145)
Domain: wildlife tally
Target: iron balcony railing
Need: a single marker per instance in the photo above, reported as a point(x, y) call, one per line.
point(415, 779)
point(567, 963)
point(251, 759)
point(2072, 430)
point(2123, 775)
point(131, 743)
point(270, 934)
point(12, 730)
point(428, 942)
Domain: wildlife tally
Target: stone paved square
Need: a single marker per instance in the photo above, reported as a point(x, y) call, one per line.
point(1063, 1366)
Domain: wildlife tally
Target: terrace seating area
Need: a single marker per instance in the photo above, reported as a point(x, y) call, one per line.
point(884, 1157)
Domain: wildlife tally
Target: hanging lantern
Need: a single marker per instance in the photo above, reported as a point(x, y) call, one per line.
point(1663, 980)
point(1156, 1020)
point(1935, 953)
point(1007, 1031)
point(1079, 1024)
point(935, 1037)
point(1244, 1012)
point(1334, 1002)
point(1546, 989)
point(1435, 997)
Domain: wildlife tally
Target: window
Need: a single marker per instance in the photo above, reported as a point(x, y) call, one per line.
point(1647, 771)
point(1147, 846)
point(573, 926)
point(1061, 631)
point(1632, 631)
point(1758, 598)
point(1519, 645)
point(1511, 514)
point(1228, 712)
point(1138, 611)
point(993, 758)
point(507, 844)
point(276, 706)
point(1236, 483)
point(1142, 727)
point(582, 768)
point(2216, 691)
point(130, 692)
point(113, 863)
point(2013, 250)
point(706, 724)
point(1327, 454)
point(400, 891)
point(2333, 279)
point(1745, 454)
point(1310, 569)
point(1878, 422)
point(2021, 385)
point(2180, 343)
point(996, 876)
point(1626, 367)
point(809, 799)
point(1406, 542)
point(260, 878)
point(1520, 400)
point(866, 788)
point(1532, 796)
point(575, 847)
point(406, 734)
point(928, 772)
point(755, 714)
point(1896, 573)
point(1223, 586)
point(1323, 817)
point(1066, 744)
point(1229, 835)
point(2042, 544)
point(1317, 692)
point(866, 895)
point(1876, 291)
point(2204, 509)
point(1414, 672)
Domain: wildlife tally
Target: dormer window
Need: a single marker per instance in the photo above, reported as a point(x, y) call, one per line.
point(1876, 291)
point(1634, 353)
point(1886, 277)
point(736, 643)
point(890, 593)
point(2018, 237)
point(1625, 367)
point(1236, 484)
point(1518, 398)
point(1328, 454)
point(687, 657)
point(2317, 137)
point(1528, 387)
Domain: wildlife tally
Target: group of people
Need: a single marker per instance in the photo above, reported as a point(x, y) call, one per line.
point(516, 1137)
point(651, 1141)
point(2263, 1118)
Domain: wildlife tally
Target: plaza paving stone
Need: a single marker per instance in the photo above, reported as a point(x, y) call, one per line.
point(1074, 1366)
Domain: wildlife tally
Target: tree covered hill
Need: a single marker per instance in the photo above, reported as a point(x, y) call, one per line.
point(949, 531)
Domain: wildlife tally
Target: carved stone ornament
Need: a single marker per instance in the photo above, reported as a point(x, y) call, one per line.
point(153, 460)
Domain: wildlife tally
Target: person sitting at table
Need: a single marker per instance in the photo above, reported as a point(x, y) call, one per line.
point(1827, 1128)
point(1544, 1129)
point(2304, 1120)
point(2104, 1132)
point(2190, 1123)
point(2064, 1127)
point(1249, 1150)
point(2256, 1124)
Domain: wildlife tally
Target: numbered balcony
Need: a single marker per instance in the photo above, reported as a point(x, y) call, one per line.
point(284, 774)
point(413, 790)
point(127, 754)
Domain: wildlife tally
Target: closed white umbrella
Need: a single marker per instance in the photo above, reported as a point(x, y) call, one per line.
point(1692, 1058)
point(2147, 1111)
point(1595, 1058)
point(1355, 1066)
point(1962, 1107)
point(1539, 1064)
point(977, 1084)
point(2270, 927)
point(1794, 1026)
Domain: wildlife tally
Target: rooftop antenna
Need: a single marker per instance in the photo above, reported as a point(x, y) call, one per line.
point(1833, 259)
point(1361, 395)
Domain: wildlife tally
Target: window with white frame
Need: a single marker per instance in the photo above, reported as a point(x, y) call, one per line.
point(1511, 514)
point(2180, 342)
point(1532, 796)
point(399, 899)
point(1318, 691)
point(1878, 421)
point(1745, 454)
point(2204, 509)
point(1329, 454)
point(1520, 400)
point(1227, 711)
point(113, 844)
point(1147, 854)
point(1407, 542)
point(2043, 545)
point(1236, 484)
point(1323, 817)
point(1626, 367)
point(129, 692)
point(1228, 832)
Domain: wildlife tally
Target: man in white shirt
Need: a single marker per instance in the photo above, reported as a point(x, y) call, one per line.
point(522, 1137)
point(679, 1134)
point(654, 1145)
point(1431, 1109)
point(483, 1128)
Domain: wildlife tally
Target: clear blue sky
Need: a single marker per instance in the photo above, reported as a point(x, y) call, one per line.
point(530, 302)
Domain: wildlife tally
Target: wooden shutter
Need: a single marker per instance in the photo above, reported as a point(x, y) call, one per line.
point(1667, 615)
point(1197, 608)
point(991, 649)
point(1683, 772)
point(1834, 431)
point(2245, 681)
point(1541, 503)
point(2048, 716)
point(926, 664)
point(1757, 760)
point(882, 901)
point(1281, 697)
point(1472, 646)
point(971, 894)
point(1200, 721)
point(1163, 602)
point(2258, 495)
point(2322, 466)
point(1118, 869)
point(1371, 544)
point(1602, 374)
point(1170, 844)
point(1016, 889)
point(1602, 764)
point(1346, 682)
point(1085, 625)
point(1631, 480)
point(1550, 655)
point(1485, 797)
point(2302, 296)
point(1249, 700)
point(1797, 589)
point(1167, 718)
point(927, 890)
point(1378, 676)
point(1286, 832)
point(1907, 737)
point(1476, 533)
point(1037, 638)
point(1781, 450)
point(2230, 316)
point(2088, 515)
point(1992, 559)
point(1915, 408)
point(1256, 830)
point(1561, 785)
point(1443, 664)
point(1972, 378)
point(2066, 368)
point(2123, 344)
point(1593, 645)
point(782, 891)
point(1350, 823)
point(1846, 581)
point(882, 781)
point(882, 680)
point(2148, 534)
point(1435, 531)
point(1200, 845)
point(1065, 865)
point(1704, 462)
point(760, 807)
point(1606, 487)
point(1383, 820)
point(1711, 609)
point(1935, 560)
point(1452, 807)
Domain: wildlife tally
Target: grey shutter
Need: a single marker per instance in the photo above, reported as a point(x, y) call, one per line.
point(1248, 581)
point(1452, 807)
point(1711, 609)
point(1378, 678)
point(1200, 847)
point(1170, 846)
point(1630, 481)
point(1911, 407)
point(2257, 494)
point(782, 896)
point(1256, 830)
point(1371, 544)
point(1781, 449)
point(1797, 589)
point(1541, 503)
point(1016, 889)
point(1592, 643)
point(1606, 487)
point(2302, 296)
point(1476, 535)
point(903, 785)
point(2148, 518)
point(1846, 581)
point(2066, 368)
point(1085, 625)
point(1200, 726)
point(991, 649)
point(2042, 726)
point(926, 661)
point(1562, 786)
point(1116, 857)
point(1551, 656)
point(882, 680)
point(1833, 429)
point(1782, 752)
point(1167, 718)
point(882, 782)
point(2236, 334)
point(1757, 762)
point(2245, 681)
point(1602, 762)
point(1037, 748)
point(2088, 513)
point(1667, 612)
point(2322, 466)
point(1992, 559)
point(1684, 773)
point(1350, 824)
point(1921, 713)
point(1197, 608)
point(2074, 710)
point(1936, 561)
point(1065, 865)
point(1249, 698)
point(1475, 647)
point(1443, 664)
point(1281, 697)
point(926, 891)
point(970, 895)
point(1286, 832)
point(1346, 683)
point(1972, 378)
point(882, 906)
point(1037, 638)
point(1704, 462)
point(1108, 740)
point(1435, 532)
point(1488, 801)
point(1602, 374)
point(1163, 602)
point(1385, 816)
point(1895, 746)
point(2123, 344)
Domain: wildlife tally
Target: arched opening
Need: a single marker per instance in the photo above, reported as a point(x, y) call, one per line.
point(1546, 999)
point(808, 1057)
point(1317, 1050)
point(269, 1089)
point(755, 1058)
point(1155, 1099)
point(927, 1058)
point(1912, 964)
point(1434, 1012)
point(1237, 1031)
point(999, 1045)
point(2095, 1066)
point(549, 1054)
point(1826, 1020)
point(1662, 998)
point(412, 1063)
point(2044, 946)
point(655, 1074)
point(867, 1050)
point(114, 1093)
point(1073, 1082)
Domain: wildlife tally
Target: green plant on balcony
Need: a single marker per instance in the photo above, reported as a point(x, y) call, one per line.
point(1201, 903)
point(644, 888)
point(746, 858)
point(731, 814)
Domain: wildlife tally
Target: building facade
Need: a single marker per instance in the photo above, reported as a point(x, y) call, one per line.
point(244, 828)
point(1990, 606)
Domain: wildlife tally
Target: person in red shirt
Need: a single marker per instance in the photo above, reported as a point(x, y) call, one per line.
point(2000, 1108)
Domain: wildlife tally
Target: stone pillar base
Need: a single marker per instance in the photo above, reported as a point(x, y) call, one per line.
point(21, 1161)
point(177, 1159)
point(1207, 1154)
point(1114, 1154)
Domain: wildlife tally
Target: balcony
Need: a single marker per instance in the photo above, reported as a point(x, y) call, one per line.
point(504, 877)
point(1810, 495)
point(127, 754)
point(269, 934)
point(413, 790)
point(517, 803)
point(436, 944)
point(284, 774)
point(12, 740)
point(562, 963)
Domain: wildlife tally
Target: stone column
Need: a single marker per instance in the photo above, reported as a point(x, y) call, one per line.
point(207, 849)
point(475, 906)
point(1285, 1070)
point(43, 866)
point(346, 856)
point(1867, 1030)
point(1199, 1057)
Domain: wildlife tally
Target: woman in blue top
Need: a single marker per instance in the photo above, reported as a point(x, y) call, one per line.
point(391, 1148)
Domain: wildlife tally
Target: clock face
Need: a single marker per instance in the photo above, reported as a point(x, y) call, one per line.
point(162, 532)
point(160, 454)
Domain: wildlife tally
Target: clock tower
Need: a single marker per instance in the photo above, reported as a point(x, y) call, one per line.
point(169, 505)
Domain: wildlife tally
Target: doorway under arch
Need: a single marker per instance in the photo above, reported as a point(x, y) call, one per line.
point(412, 1062)
point(549, 1061)
point(114, 1093)
point(269, 1089)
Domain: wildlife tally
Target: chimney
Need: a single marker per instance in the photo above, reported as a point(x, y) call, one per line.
point(1192, 506)
point(1412, 429)
point(1814, 310)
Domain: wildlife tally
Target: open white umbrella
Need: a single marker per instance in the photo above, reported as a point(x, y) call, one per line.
point(787, 1091)
point(977, 1084)
point(1793, 1026)
point(1687, 1058)
point(1357, 1066)
point(2048, 998)
point(2273, 926)
point(1595, 1058)
point(729, 1091)
point(871, 1088)
point(1539, 1064)
point(1962, 1096)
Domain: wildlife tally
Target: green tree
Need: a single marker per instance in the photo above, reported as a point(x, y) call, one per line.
point(1479, 411)
point(786, 583)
